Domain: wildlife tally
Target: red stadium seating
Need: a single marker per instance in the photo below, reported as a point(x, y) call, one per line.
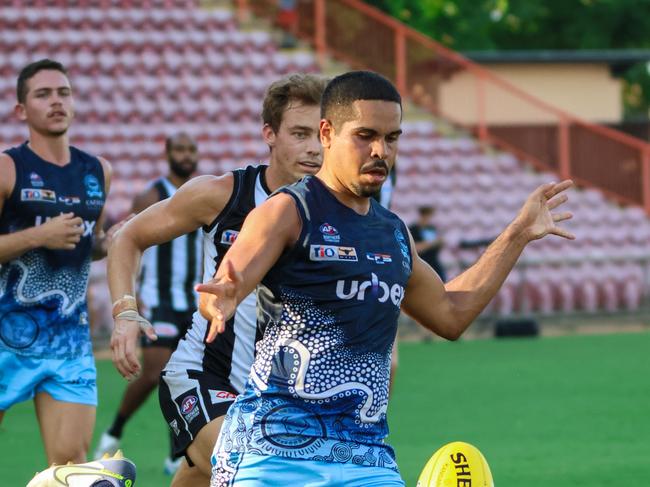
point(143, 70)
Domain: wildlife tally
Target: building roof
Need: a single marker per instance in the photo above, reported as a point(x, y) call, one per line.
point(619, 60)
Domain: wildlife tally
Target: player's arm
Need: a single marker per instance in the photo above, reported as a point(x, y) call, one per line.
point(101, 239)
point(195, 204)
point(61, 232)
point(449, 309)
point(268, 231)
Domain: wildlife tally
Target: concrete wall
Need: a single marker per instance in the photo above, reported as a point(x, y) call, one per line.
point(587, 91)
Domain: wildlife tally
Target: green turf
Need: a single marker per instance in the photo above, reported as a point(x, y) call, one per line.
point(553, 412)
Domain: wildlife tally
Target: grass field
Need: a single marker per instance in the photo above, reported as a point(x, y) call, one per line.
point(552, 412)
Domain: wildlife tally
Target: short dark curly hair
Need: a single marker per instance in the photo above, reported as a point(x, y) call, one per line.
point(30, 71)
point(344, 90)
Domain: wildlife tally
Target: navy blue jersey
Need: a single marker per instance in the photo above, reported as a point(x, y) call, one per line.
point(318, 388)
point(43, 292)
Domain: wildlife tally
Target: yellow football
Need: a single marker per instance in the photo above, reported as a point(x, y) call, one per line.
point(456, 464)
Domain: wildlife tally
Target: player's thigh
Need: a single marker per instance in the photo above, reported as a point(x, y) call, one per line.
point(65, 405)
point(187, 476)
point(66, 428)
point(200, 450)
point(20, 377)
point(193, 404)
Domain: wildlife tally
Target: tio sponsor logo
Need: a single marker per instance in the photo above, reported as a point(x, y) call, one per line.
point(376, 288)
point(228, 237)
point(332, 253)
point(41, 195)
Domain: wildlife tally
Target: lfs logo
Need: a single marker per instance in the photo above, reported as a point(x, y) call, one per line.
point(378, 289)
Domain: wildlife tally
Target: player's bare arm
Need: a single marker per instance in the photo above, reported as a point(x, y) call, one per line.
point(268, 230)
point(61, 232)
point(101, 239)
point(195, 204)
point(449, 309)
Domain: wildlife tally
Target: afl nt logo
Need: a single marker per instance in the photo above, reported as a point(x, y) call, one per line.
point(188, 404)
point(330, 234)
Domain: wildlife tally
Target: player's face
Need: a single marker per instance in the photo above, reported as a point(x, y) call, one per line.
point(363, 150)
point(48, 107)
point(295, 148)
point(183, 156)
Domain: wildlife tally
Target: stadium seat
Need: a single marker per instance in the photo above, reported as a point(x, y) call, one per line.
point(144, 70)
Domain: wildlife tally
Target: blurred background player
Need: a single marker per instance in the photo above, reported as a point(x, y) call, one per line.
point(166, 291)
point(428, 241)
point(51, 213)
point(333, 268)
point(201, 381)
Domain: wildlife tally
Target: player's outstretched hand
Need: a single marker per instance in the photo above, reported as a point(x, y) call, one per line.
point(124, 340)
point(218, 300)
point(536, 218)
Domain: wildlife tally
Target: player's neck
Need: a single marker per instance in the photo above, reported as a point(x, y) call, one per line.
point(274, 178)
point(52, 149)
point(358, 204)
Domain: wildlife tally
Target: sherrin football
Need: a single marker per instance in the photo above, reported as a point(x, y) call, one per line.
point(456, 464)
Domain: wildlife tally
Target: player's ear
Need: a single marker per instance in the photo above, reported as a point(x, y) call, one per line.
point(19, 110)
point(326, 133)
point(269, 135)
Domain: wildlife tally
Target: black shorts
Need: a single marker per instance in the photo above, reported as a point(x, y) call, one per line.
point(169, 325)
point(190, 399)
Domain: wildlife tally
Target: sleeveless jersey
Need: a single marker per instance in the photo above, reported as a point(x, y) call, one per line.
point(43, 310)
point(318, 388)
point(230, 355)
point(170, 270)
